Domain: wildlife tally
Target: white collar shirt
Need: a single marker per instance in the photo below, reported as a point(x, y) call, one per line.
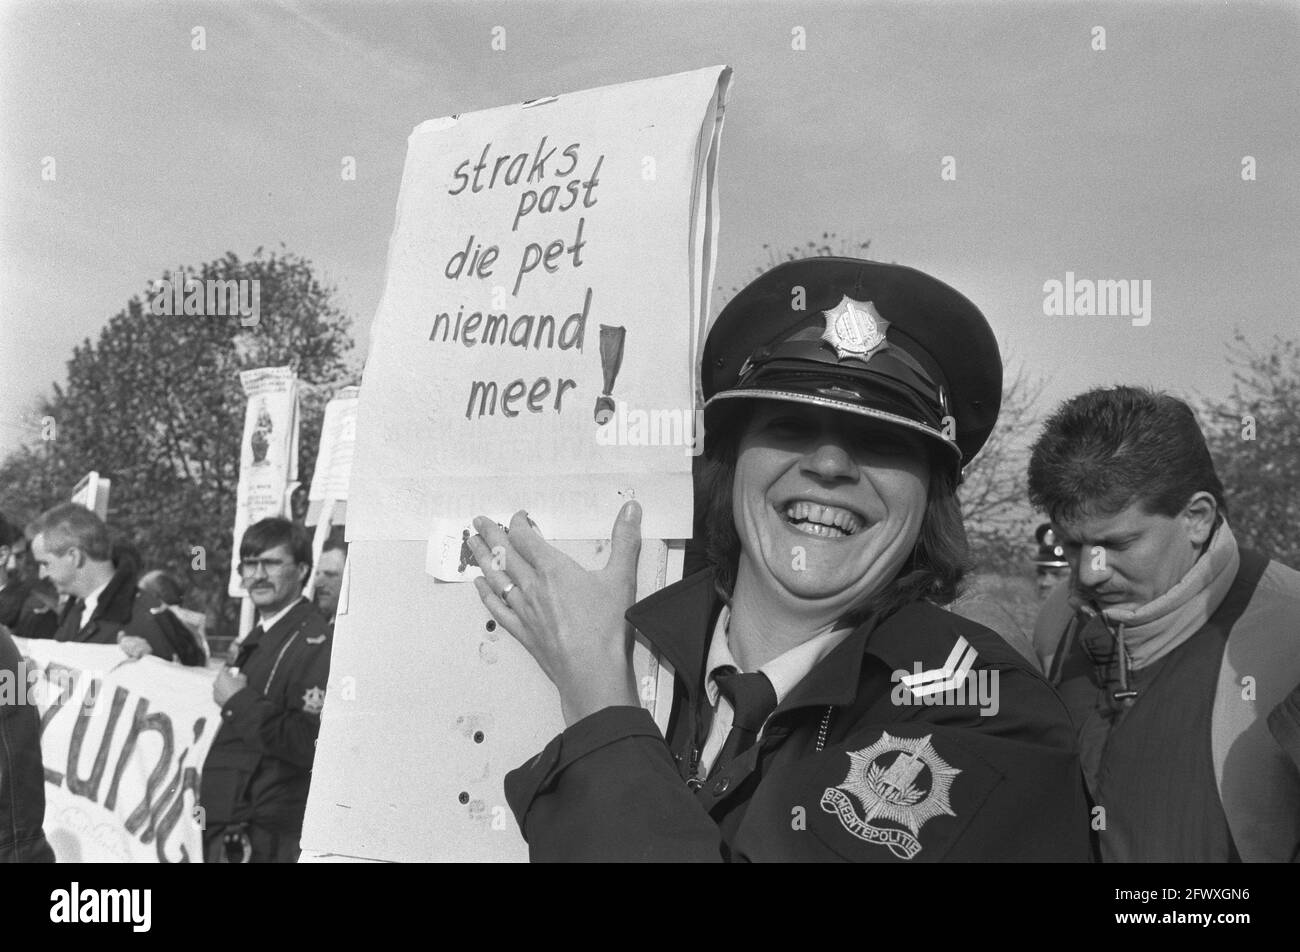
point(785, 671)
point(266, 624)
point(90, 603)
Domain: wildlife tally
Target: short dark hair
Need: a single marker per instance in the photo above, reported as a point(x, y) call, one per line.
point(166, 587)
point(69, 524)
point(126, 557)
point(9, 533)
point(334, 544)
point(1109, 448)
point(275, 531)
point(933, 571)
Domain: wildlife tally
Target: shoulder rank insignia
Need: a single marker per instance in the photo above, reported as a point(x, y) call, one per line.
point(313, 701)
point(947, 678)
point(854, 329)
point(904, 791)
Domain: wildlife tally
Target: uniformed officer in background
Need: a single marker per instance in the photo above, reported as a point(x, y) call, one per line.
point(824, 707)
point(258, 771)
point(1050, 565)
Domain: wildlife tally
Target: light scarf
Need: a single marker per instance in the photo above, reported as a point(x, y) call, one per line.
point(1151, 631)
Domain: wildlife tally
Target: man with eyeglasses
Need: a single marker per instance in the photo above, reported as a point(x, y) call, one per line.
point(272, 692)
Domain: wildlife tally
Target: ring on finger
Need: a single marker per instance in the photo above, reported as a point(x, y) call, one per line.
point(510, 587)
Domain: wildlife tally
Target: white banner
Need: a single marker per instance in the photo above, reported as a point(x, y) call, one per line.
point(123, 744)
point(268, 459)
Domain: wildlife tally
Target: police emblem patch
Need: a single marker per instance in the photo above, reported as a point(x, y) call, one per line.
point(854, 329)
point(906, 791)
point(313, 701)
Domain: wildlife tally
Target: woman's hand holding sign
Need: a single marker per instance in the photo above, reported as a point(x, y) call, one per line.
point(569, 619)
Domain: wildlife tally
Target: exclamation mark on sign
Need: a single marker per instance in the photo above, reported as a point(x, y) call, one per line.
point(611, 360)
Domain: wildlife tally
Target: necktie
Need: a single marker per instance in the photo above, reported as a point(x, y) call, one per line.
point(237, 655)
point(752, 698)
point(73, 616)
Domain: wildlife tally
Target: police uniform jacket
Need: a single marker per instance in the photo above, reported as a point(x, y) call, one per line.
point(123, 610)
point(259, 766)
point(851, 766)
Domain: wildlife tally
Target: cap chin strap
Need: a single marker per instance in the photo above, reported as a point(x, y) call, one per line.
point(810, 399)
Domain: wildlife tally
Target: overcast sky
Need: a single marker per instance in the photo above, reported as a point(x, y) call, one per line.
point(1122, 163)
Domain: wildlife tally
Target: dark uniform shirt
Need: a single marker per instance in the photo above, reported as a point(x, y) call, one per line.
point(852, 765)
point(258, 769)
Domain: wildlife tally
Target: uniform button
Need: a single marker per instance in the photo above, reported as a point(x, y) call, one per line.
point(722, 786)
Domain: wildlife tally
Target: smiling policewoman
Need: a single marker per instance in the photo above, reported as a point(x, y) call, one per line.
point(825, 707)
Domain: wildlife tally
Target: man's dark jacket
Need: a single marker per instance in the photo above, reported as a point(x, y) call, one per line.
point(25, 613)
point(893, 779)
point(22, 777)
point(259, 766)
point(124, 610)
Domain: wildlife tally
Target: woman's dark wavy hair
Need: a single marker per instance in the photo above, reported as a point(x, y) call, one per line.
point(933, 572)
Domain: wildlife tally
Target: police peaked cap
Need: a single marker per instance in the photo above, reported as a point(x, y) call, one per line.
point(937, 362)
point(1051, 554)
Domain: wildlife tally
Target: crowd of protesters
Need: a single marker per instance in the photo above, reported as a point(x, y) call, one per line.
point(62, 578)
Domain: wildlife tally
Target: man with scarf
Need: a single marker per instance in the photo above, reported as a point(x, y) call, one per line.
point(1169, 643)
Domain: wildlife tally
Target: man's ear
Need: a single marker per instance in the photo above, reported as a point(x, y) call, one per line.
point(1199, 515)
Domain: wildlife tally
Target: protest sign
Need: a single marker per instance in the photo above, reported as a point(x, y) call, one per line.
point(123, 744)
point(92, 492)
point(268, 460)
point(549, 261)
point(333, 470)
point(430, 707)
point(327, 501)
point(548, 274)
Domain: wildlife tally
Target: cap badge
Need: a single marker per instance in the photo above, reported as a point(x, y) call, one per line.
point(854, 329)
point(904, 792)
